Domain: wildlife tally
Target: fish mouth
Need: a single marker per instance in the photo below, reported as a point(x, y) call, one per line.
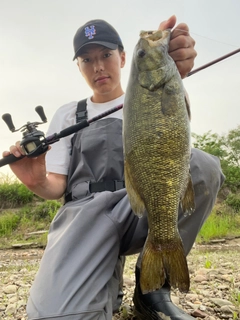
point(154, 38)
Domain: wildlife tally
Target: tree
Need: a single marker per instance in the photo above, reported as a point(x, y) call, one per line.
point(232, 144)
point(227, 149)
point(211, 143)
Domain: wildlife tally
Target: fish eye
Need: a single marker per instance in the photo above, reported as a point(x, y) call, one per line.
point(141, 53)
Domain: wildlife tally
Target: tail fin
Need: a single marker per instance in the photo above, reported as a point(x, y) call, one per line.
point(167, 263)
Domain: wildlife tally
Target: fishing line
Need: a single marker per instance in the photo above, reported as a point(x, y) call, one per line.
point(66, 132)
point(196, 34)
point(214, 61)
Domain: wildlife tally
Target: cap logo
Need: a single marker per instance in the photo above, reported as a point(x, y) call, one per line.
point(90, 32)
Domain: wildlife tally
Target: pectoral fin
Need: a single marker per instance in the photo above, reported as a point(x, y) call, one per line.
point(135, 200)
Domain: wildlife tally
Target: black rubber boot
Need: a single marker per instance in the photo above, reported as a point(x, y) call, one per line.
point(156, 305)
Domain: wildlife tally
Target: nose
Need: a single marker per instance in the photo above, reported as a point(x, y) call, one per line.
point(98, 66)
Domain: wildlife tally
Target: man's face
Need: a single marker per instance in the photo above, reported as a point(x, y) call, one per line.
point(101, 68)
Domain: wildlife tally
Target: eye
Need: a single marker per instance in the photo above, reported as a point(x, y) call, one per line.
point(85, 60)
point(107, 55)
point(141, 53)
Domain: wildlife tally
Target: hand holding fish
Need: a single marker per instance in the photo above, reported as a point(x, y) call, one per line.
point(181, 46)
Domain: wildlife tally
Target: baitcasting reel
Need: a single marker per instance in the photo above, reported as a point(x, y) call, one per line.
point(32, 141)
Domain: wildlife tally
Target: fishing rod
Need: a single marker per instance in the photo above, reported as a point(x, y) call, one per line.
point(34, 143)
point(213, 62)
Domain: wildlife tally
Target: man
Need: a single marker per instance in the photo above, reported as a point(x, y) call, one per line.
point(81, 269)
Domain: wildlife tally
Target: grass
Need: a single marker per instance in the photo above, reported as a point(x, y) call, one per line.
point(8, 223)
point(17, 227)
point(236, 297)
point(13, 193)
point(208, 264)
point(222, 222)
point(22, 212)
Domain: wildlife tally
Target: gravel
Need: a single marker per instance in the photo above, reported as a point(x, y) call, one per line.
point(214, 292)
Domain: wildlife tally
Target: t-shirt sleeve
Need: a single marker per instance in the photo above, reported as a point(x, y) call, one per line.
point(58, 157)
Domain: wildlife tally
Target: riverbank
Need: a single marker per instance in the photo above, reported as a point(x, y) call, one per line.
point(214, 293)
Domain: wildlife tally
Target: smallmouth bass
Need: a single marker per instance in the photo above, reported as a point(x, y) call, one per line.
point(156, 142)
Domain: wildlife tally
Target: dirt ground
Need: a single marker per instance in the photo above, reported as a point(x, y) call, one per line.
point(214, 293)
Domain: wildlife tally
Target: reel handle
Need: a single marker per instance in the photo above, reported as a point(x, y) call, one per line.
point(40, 112)
point(8, 120)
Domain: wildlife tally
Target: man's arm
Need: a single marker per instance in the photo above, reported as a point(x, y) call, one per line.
point(32, 173)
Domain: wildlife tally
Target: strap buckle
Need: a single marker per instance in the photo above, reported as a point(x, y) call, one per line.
point(119, 184)
point(81, 115)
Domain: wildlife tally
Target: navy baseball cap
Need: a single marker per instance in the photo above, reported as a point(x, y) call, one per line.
point(96, 32)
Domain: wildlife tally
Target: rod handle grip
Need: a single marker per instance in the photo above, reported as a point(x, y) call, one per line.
point(9, 159)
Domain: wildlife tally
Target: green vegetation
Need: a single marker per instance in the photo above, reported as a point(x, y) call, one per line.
point(36, 215)
point(227, 148)
point(13, 194)
point(223, 222)
point(23, 214)
point(208, 264)
point(8, 223)
point(225, 218)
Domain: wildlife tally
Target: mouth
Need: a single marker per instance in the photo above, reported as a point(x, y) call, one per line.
point(102, 79)
point(155, 38)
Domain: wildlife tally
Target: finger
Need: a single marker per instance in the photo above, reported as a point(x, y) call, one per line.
point(182, 54)
point(168, 24)
point(5, 153)
point(181, 29)
point(184, 67)
point(17, 150)
point(181, 42)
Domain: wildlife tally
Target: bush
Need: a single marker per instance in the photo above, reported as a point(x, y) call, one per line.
point(233, 200)
point(46, 210)
point(8, 223)
point(227, 148)
point(14, 194)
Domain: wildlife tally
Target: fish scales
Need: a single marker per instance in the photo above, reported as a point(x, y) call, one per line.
point(156, 139)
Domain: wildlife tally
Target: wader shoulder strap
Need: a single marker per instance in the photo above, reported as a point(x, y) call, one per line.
point(81, 113)
point(106, 185)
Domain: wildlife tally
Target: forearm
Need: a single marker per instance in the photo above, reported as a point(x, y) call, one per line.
point(52, 187)
point(32, 173)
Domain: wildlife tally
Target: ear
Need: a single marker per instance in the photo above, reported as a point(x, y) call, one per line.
point(123, 59)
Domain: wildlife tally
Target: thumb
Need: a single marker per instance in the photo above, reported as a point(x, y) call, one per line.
point(168, 24)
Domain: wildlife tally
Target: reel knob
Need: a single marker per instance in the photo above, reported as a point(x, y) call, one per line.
point(8, 120)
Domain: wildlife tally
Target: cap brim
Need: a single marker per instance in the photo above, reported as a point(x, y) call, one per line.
point(112, 46)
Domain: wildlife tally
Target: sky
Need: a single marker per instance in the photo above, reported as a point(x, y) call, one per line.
point(36, 51)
